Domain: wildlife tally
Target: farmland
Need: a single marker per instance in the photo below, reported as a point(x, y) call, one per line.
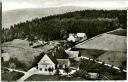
point(21, 50)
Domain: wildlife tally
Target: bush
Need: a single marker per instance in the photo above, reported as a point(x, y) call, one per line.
point(81, 73)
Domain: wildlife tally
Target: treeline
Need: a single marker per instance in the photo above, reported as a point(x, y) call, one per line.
point(57, 27)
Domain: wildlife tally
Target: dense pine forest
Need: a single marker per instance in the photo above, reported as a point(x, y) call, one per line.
point(57, 27)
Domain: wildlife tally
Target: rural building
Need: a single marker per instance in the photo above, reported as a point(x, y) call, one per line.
point(93, 75)
point(76, 37)
point(47, 62)
point(110, 47)
point(72, 54)
point(81, 36)
point(63, 63)
point(71, 38)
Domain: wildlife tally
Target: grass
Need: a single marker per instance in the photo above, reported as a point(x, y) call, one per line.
point(23, 52)
point(109, 72)
point(52, 78)
point(12, 76)
point(91, 53)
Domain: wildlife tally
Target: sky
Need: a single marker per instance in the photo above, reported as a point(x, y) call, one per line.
point(20, 4)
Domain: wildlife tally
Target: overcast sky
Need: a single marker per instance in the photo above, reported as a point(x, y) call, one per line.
point(19, 4)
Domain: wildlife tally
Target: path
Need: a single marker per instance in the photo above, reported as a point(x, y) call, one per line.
point(10, 69)
point(33, 71)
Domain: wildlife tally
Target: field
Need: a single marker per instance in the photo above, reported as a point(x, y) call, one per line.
point(52, 78)
point(12, 76)
point(91, 53)
point(21, 50)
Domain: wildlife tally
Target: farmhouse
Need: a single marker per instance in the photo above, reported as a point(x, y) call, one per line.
point(47, 62)
point(77, 37)
point(71, 38)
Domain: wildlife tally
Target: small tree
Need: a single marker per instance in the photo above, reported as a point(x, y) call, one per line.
point(67, 70)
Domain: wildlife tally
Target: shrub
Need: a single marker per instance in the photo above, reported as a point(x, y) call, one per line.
point(81, 73)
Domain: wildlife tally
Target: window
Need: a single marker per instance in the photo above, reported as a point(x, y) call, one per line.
point(40, 69)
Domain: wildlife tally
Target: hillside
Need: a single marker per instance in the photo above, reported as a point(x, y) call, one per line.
point(21, 50)
point(12, 17)
point(110, 47)
point(107, 42)
point(57, 27)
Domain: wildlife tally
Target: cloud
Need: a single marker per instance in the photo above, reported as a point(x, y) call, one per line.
point(19, 4)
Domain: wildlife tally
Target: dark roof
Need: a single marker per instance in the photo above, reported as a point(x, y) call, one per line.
point(63, 61)
point(52, 57)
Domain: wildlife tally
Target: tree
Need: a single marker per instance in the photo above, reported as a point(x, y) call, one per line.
point(67, 70)
point(81, 73)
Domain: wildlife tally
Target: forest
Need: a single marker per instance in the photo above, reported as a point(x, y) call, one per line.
point(57, 27)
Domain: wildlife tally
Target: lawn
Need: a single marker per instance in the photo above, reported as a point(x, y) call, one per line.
point(52, 78)
point(12, 76)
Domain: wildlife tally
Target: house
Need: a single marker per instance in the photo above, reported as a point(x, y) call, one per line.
point(5, 57)
point(93, 75)
point(48, 61)
point(73, 37)
point(63, 63)
point(72, 54)
point(81, 36)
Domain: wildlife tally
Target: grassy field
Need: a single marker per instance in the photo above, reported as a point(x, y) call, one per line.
point(91, 53)
point(21, 50)
point(12, 76)
point(52, 78)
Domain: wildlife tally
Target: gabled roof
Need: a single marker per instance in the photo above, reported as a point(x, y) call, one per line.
point(105, 41)
point(63, 61)
point(53, 59)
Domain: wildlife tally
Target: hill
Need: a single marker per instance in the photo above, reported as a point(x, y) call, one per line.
point(12, 17)
point(57, 27)
point(110, 47)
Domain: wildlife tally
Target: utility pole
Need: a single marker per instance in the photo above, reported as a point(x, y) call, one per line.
point(0, 33)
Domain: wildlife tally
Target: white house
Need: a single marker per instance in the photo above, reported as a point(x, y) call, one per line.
point(81, 34)
point(45, 63)
point(71, 38)
point(93, 75)
point(76, 37)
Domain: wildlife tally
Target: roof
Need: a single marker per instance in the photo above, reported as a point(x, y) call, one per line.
point(63, 61)
point(80, 34)
point(53, 59)
point(72, 54)
point(105, 41)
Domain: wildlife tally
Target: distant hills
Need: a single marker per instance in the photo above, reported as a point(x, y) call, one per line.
point(12, 17)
